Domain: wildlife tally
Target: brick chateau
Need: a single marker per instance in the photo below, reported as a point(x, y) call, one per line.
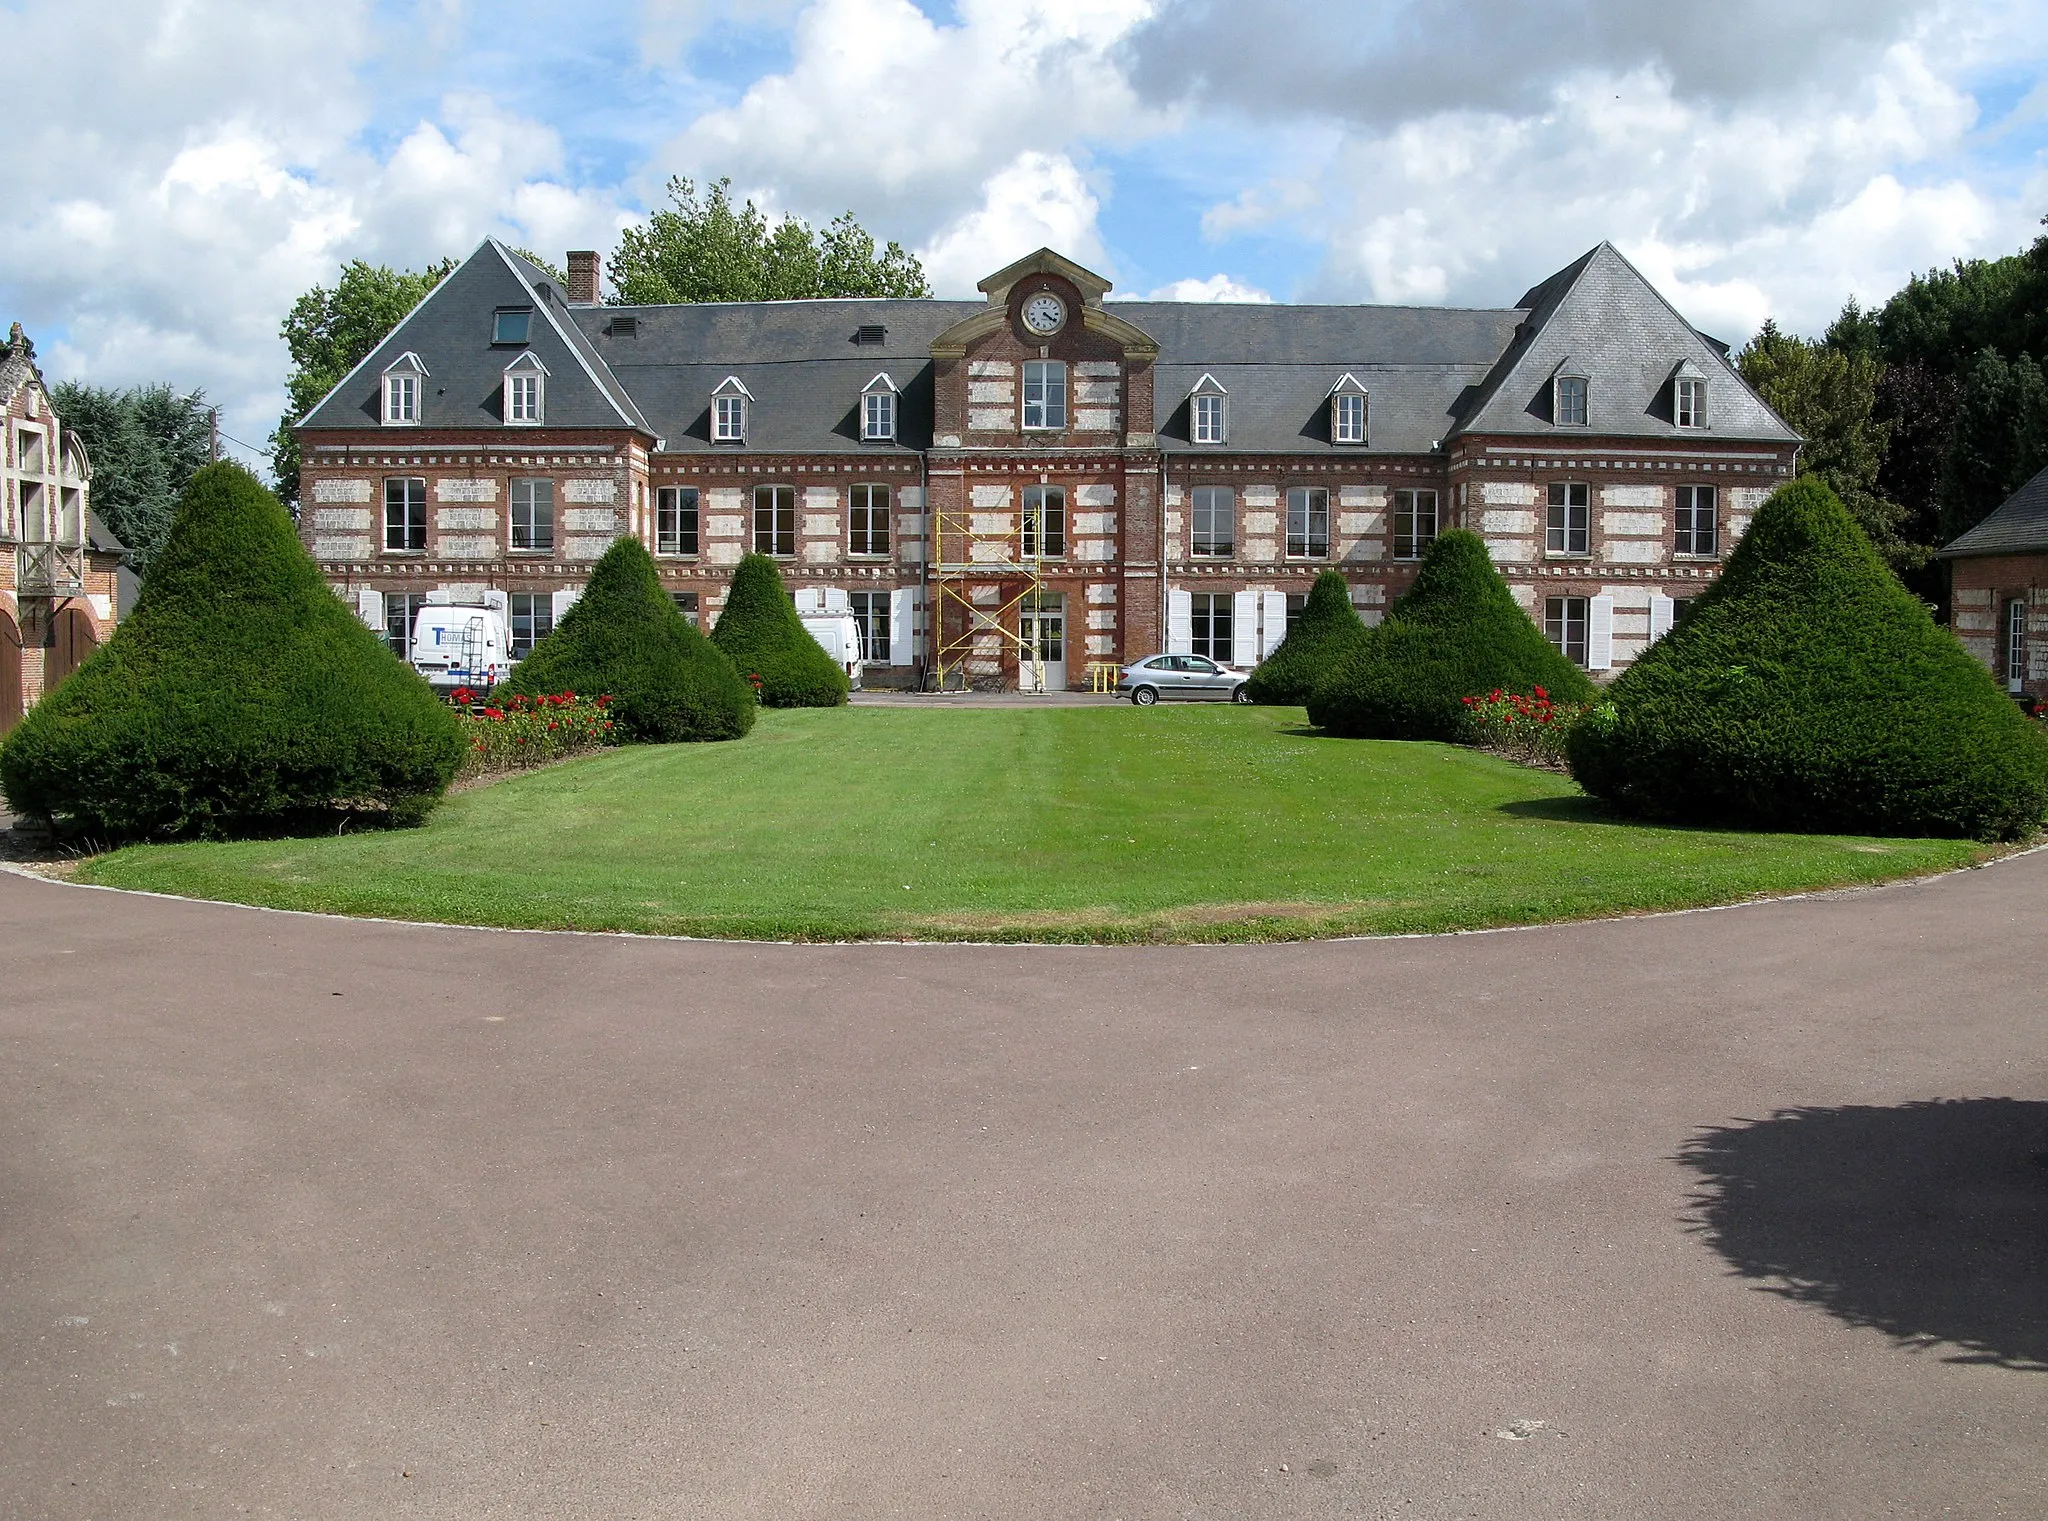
point(1004, 492)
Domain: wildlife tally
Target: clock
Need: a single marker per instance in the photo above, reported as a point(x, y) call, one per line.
point(1045, 313)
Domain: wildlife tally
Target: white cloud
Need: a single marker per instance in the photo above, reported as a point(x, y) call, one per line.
point(1218, 287)
point(1039, 200)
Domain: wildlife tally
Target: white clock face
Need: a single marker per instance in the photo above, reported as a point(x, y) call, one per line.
point(1045, 313)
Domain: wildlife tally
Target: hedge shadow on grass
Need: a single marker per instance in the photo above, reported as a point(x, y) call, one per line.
point(1927, 1221)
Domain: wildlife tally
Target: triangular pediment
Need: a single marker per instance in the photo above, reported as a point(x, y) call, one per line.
point(1044, 262)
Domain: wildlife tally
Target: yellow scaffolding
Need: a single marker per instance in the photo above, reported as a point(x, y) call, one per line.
point(963, 559)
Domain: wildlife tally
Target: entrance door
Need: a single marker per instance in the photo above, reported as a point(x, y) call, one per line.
point(10, 672)
point(1042, 625)
point(71, 640)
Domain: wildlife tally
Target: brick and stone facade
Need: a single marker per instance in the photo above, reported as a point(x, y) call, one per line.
point(1999, 590)
point(910, 461)
point(59, 597)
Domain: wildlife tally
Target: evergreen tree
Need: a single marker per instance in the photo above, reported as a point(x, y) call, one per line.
point(1456, 633)
point(1327, 627)
point(709, 250)
point(625, 639)
point(759, 628)
point(1999, 439)
point(240, 696)
point(145, 444)
point(1810, 691)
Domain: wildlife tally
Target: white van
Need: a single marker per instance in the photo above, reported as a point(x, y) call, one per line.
point(454, 645)
point(840, 636)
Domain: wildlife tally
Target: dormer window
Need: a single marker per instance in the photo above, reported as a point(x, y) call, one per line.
point(1568, 404)
point(526, 391)
point(1347, 411)
point(1689, 397)
point(729, 411)
point(512, 324)
point(1209, 417)
point(402, 384)
point(878, 411)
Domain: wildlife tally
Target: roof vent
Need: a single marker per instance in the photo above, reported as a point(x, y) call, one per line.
point(871, 332)
point(624, 327)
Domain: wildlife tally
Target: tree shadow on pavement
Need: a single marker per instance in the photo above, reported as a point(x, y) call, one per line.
point(1927, 1221)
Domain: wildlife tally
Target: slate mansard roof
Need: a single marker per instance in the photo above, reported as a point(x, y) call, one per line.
point(2018, 526)
point(1430, 373)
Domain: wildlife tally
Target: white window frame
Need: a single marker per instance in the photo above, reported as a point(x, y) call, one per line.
point(1348, 413)
point(730, 404)
point(1685, 526)
point(539, 619)
point(406, 504)
point(1410, 504)
point(868, 505)
point(878, 411)
point(780, 502)
point(1564, 534)
point(1689, 401)
point(1565, 385)
point(1308, 496)
point(525, 392)
point(672, 505)
point(1043, 506)
point(2016, 644)
point(1210, 419)
point(1210, 501)
point(402, 399)
point(1045, 389)
point(1567, 624)
point(531, 504)
point(1212, 626)
point(871, 612)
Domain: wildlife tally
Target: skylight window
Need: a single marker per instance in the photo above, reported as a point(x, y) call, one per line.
point(512, 324)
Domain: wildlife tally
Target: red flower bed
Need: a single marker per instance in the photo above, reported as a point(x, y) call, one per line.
point(1530, 730)
point(530, 731)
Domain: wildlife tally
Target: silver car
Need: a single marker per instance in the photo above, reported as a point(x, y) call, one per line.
point(1194, 677)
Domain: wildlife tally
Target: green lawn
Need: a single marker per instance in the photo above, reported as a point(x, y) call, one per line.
point(1099, 823)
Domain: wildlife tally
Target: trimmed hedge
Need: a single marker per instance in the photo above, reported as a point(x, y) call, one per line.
point(1456, 633)
point(241, 696)
point(1810, 691)
point(1327, 627)
point(760, 630)
point(624, 637)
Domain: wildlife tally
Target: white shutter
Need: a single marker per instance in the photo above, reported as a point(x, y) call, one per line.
point(1180, 622)
point(1244, 628)
point(1600, 634)
point(370, 608)
point(1661, 615)
point(902, 626)
point(1273, 622)
point(566, 599)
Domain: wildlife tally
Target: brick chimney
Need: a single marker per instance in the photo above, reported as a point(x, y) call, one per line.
point(583, 277)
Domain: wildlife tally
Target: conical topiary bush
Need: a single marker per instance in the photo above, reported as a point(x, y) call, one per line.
point(240, 696)
point(1810, 691)
point(760, 630)
point(1321, 636)
point(624, 637)
point(1456, 633)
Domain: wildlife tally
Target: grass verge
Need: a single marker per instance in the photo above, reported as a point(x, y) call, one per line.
point(1066, 824)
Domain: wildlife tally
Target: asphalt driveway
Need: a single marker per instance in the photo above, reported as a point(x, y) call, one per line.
point(1655, 1218)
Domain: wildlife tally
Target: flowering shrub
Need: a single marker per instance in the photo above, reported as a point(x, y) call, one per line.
point(529, 731)
point(1531, 730)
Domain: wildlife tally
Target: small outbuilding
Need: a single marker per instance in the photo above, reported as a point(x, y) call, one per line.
point(2000, 590)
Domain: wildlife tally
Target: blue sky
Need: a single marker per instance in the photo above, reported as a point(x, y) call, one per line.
point(183, 170)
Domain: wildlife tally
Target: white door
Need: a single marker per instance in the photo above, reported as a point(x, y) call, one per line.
point(1042, 662)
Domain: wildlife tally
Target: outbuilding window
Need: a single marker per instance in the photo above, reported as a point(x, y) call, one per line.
point(2016, 645)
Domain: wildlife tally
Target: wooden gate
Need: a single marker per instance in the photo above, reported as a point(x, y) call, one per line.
point(71, 640)
point(10, 672)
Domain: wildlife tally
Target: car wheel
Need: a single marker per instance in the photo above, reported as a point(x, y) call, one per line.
point(1144, 697)
point(1241, 692)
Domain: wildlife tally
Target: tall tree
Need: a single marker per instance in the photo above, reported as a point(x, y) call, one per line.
point(329, 332)
point(707, 249)
point(2000, 439)
point(145, 443)
point(1831, 397)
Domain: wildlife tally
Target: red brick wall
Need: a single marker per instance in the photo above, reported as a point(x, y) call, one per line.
point(1985, 586)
